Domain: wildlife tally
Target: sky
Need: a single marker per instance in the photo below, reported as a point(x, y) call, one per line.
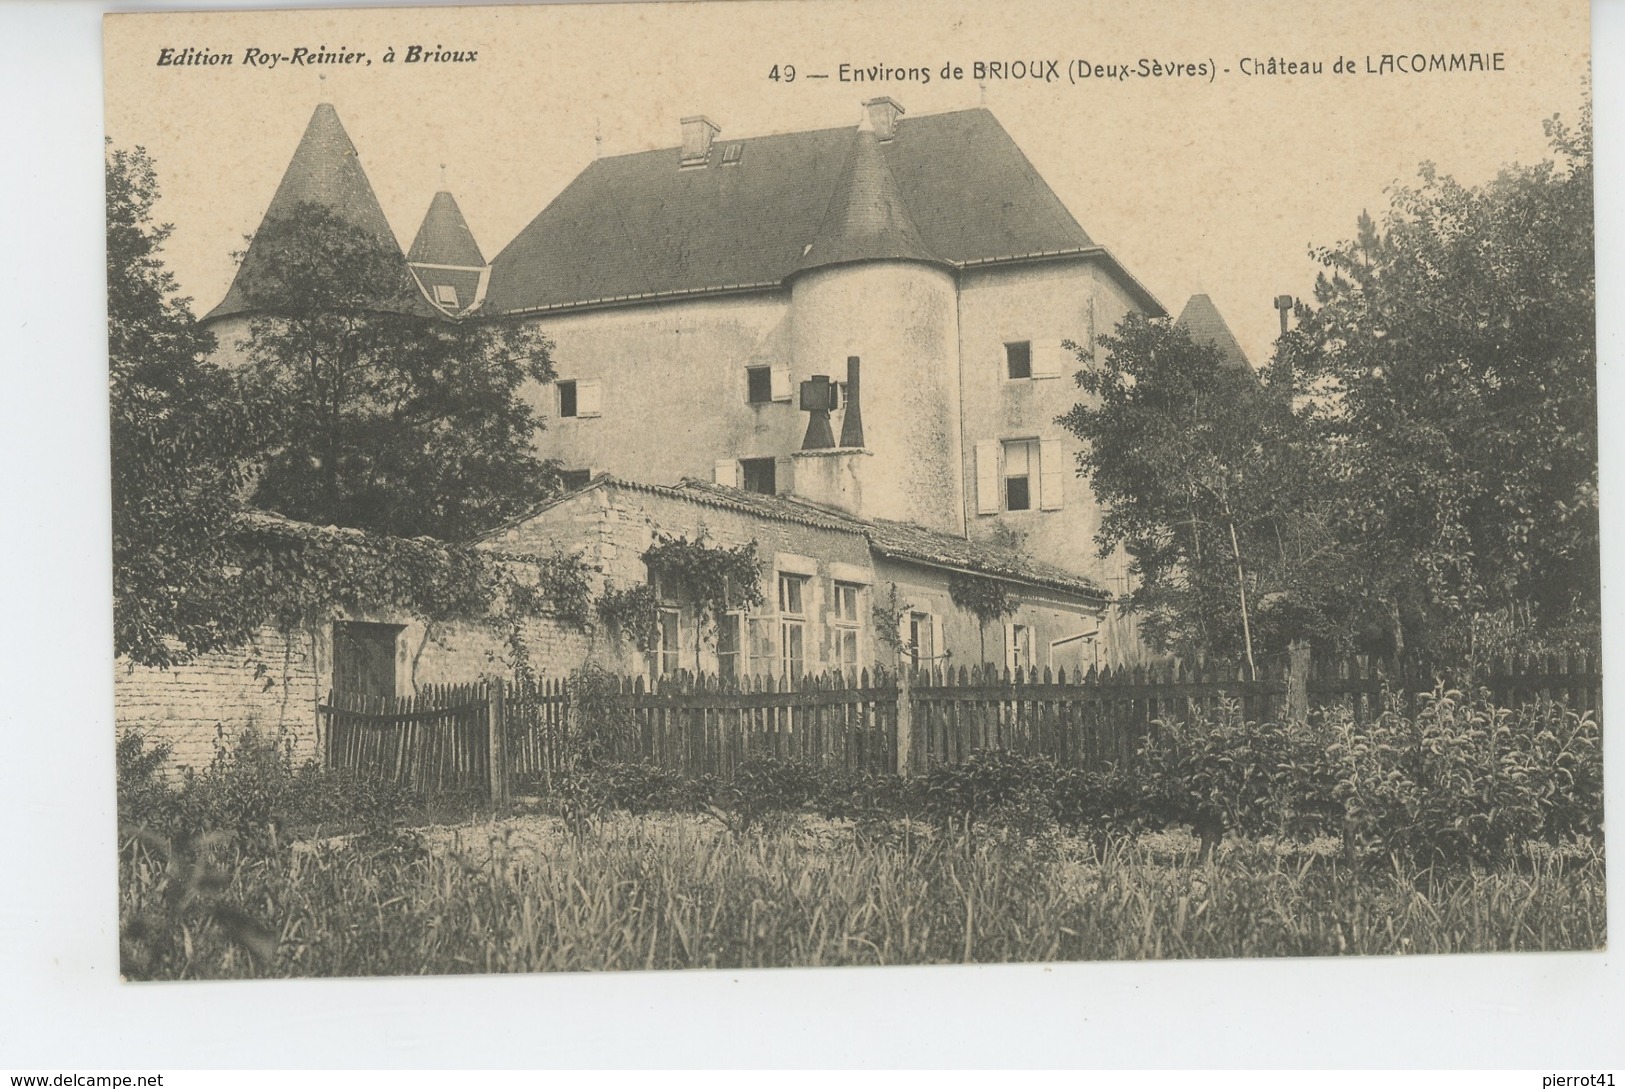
point(1219, 185)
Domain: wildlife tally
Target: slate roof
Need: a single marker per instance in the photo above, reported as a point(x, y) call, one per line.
point(893, 540)
point(638, 226)
point(324, 170)
point(444, 237)
point(866, 219)
point(1202, 320)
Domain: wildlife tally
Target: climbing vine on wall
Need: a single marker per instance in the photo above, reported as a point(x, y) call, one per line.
point(711, 579)
point(988, 600)
point(631, 612)
point(301, 574)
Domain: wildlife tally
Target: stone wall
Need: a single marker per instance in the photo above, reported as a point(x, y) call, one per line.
point(274, 684)
point(201, 707)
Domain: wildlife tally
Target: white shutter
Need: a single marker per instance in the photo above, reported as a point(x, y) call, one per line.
point(727, 473)
point(590, 398)
point(987, 478)
point(1051, 473)
point(1049, 359)
point(938, 648)
point(1009, 646)
point(780, 375)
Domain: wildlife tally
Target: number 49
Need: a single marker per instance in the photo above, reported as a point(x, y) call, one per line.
point(785, 72)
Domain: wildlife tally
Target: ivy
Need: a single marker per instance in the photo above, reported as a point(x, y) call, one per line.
point(632, 612)
point(298, 575)
point(712, 579)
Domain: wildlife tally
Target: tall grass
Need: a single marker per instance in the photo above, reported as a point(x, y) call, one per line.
point(654, 894)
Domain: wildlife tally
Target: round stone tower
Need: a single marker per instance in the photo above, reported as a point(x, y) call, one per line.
point(869, 287)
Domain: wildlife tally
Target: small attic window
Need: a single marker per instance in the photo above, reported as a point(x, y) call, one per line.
point(731, 153)
point(445, 295)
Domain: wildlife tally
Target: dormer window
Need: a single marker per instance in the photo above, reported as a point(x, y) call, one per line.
point(445, 295)
point(731, 153)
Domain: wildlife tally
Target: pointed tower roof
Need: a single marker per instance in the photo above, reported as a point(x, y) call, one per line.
point(1202, 320)
point(444, 238)
point(324, 170)
point(866, 219)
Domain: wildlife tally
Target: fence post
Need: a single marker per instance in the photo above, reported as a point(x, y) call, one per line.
point(498, 747)
point(905, 719)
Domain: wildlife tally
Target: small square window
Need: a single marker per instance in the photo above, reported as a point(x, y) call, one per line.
point(575, 479)
point(759, 385)
point(1018, 359)
point(445, 295)
point(567, 398)
point(759, 475)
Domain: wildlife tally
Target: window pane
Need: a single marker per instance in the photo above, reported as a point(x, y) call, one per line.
point(792, 637)
point(1016, 494)
point(759, 475)
point(790, 595)
point(846, 601)
point(1018, 359)
point(567, 398)
point(1017, 459)
point(760, 383)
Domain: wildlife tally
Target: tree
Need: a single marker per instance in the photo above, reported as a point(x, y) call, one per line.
point(382, 414)
point(178, 439)
point(1451, 352)
point(1209, 485)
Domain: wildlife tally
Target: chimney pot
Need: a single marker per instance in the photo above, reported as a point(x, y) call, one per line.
point(882, 115)
point(698, 132)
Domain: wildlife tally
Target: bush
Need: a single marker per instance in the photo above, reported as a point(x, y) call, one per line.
point(254, 792)
point(994, 787)
point(1466, 782)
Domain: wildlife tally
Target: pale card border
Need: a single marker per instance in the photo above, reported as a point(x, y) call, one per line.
point(61, 1004)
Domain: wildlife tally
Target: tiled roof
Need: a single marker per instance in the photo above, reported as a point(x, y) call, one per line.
point(636, 226)
point(444, 237)
point(895, 540)
point(1202, 320)
point(904, 540)
point(326, 171)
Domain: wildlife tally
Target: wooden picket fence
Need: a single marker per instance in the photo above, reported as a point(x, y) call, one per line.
point(437, 741)
point(485, 736)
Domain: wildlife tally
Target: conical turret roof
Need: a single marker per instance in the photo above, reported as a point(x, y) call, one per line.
point(1202, 320)
point(325, 170)
point(444, 237)
point(866, 219)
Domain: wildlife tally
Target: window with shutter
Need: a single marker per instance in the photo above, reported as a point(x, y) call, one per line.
point(1052, 473)
point(988, 499)
point(567, 398)
point(1019, 474)
point(780, 378)
point(1049, 359)
point(589, 398)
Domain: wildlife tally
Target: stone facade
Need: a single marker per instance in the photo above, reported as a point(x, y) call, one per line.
point(612, 523)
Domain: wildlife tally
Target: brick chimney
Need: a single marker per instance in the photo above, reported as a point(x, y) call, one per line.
point(698, 132)
point(882, 117)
